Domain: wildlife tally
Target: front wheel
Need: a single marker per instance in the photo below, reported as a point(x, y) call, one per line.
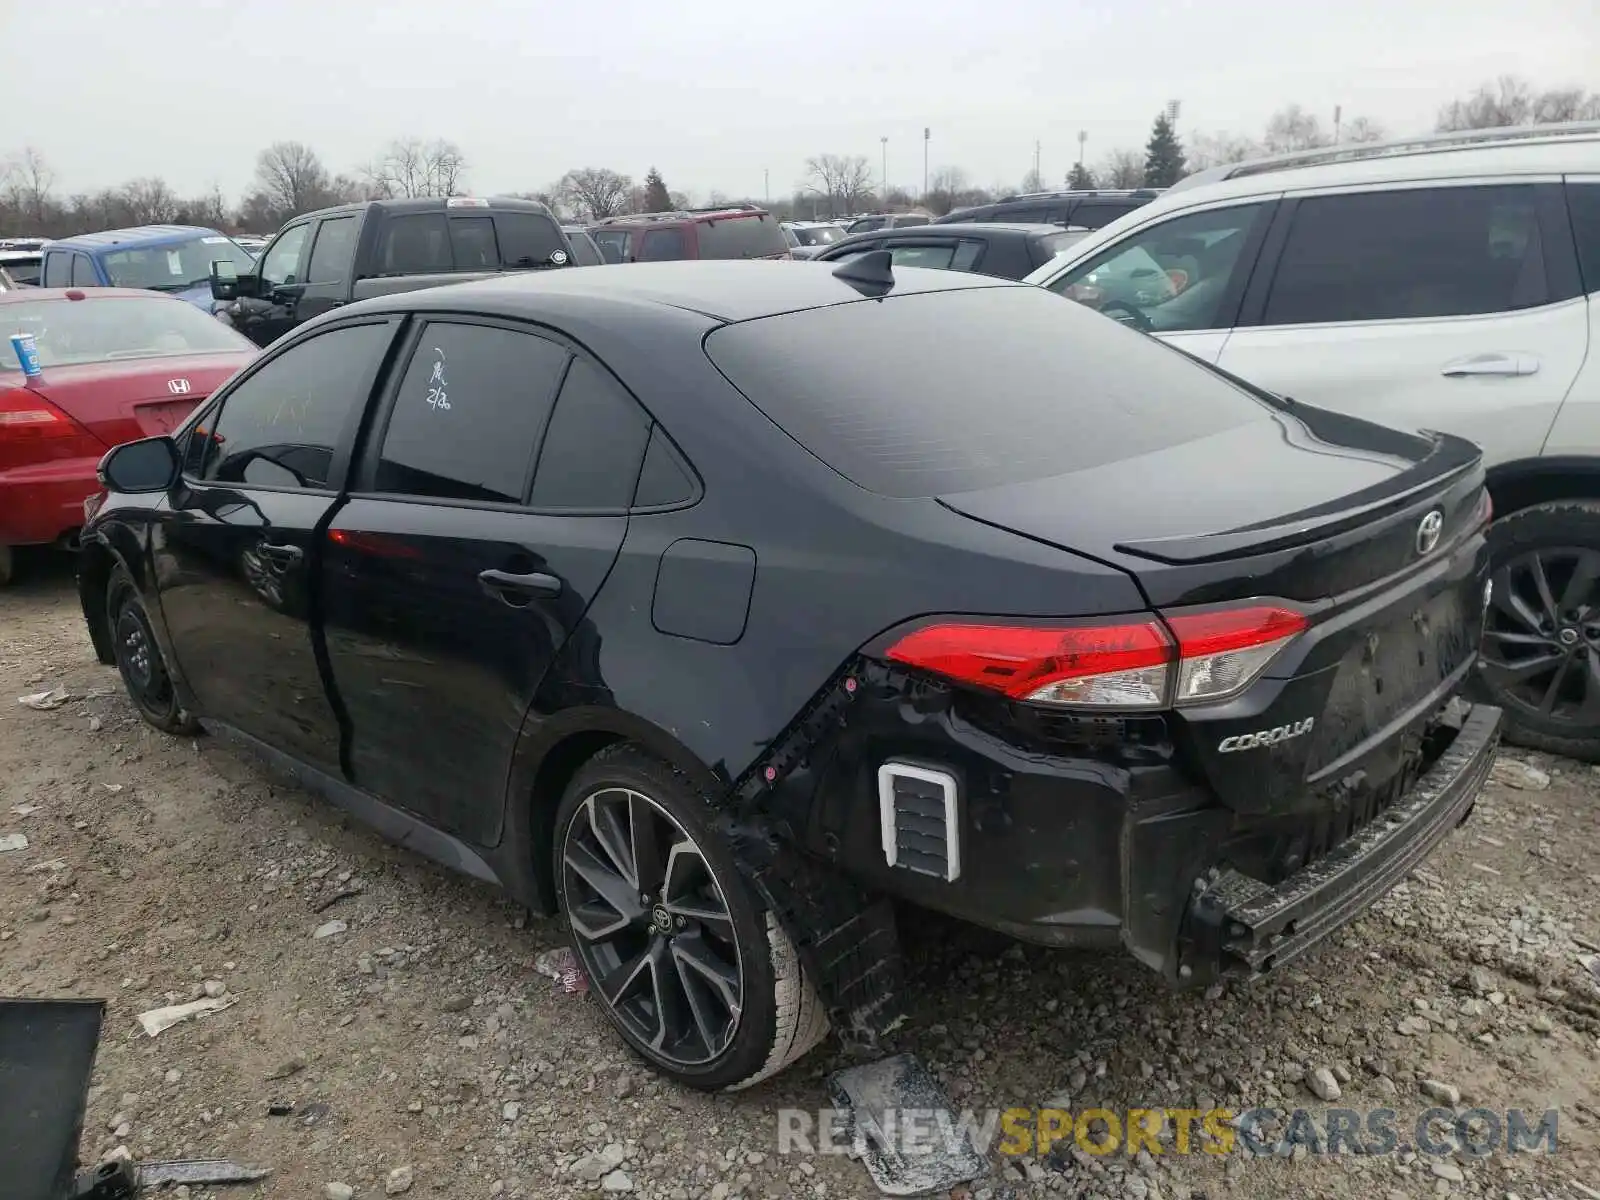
point(1541, 649)
point(139, 661)
point(696, 975)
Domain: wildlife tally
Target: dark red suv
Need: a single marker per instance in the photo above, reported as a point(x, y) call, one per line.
point(731, 231)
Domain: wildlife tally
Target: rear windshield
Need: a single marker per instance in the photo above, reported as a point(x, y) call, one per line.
point(70, 332)
point(430, 244)
point(817, 235)
point(755, 236)
point(952, 391)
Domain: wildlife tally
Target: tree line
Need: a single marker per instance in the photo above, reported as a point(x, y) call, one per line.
point(290, 178)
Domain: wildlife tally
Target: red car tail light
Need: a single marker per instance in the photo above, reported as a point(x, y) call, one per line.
point(1155, 662)
point(25, 414)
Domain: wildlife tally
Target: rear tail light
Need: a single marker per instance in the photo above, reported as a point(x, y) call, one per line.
point(26, 415)
point(1177, 658)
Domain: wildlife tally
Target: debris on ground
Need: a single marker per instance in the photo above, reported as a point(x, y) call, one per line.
point(348, 893)
point(159, 1019)
point(873, 1095)
point(1515, 773)
point(562, 965)
point(329, 929)
point(12, 841)
point(196, 1170)
point(45, 701)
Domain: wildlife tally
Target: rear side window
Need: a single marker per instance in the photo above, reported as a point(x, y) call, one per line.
point(1422, 252)
point(1583, 202)
point(613, 244)
point(469, 414)
point(282, 425)
point(741, 237)
point(1094, 214)
point(909, 221)
point(596, 441)
point(662, 245)
point(415, 244)
point(1010, 385)
point(528, 239)
point(1021, 216)
point(333, 251)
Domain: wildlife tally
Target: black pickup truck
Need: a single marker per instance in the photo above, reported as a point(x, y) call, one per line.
point(338, 255)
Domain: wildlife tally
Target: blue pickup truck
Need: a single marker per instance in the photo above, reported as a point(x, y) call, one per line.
point(163, 258)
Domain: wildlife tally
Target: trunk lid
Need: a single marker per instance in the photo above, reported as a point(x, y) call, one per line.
point(1376, 536)
point(127, 399)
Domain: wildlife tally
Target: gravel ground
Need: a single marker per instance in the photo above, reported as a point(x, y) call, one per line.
point(420, 1049)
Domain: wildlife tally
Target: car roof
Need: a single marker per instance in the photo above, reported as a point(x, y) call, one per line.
point(968, 227)
point(78, 295)
point(682, 216)
point(725, 291)
point(147, 235)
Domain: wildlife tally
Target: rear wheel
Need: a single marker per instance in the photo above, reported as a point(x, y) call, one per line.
point(697, 976)
point(1541, 647)
point(139, 661)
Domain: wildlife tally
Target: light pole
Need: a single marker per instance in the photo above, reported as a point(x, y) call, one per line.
point(926, 134)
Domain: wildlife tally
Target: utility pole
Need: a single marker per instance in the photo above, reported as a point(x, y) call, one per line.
point(766, 180)
point(926, 134)
point(1083, 136)
point(1338, 116)
point(885, 176)
point(1038, 179)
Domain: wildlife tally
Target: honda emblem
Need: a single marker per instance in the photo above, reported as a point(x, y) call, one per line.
point(178, 387)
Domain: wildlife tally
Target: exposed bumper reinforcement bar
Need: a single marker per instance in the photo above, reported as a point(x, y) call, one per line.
point(1243, 925)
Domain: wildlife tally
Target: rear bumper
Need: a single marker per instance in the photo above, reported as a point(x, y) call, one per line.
point(1239, 924)
point(44, 502)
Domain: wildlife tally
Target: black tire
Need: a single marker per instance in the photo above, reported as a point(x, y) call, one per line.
point(1541, 647)
point(8, 565)
point(138, 656)
point(710, 1037)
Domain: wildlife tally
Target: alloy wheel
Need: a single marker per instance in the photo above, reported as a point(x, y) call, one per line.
point(1541, 650)
point(652, 926)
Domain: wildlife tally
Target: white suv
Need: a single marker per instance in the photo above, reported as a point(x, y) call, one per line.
point(1449, 282)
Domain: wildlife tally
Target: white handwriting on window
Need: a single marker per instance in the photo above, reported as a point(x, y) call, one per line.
point(438, 389)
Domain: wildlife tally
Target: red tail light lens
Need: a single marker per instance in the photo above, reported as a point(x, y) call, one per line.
point(1192, 658)
point(25, 414)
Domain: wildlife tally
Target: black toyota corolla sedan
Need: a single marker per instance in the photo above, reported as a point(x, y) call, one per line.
point(720, 606)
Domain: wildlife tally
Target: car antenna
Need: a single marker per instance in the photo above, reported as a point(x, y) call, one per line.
point(871, 274)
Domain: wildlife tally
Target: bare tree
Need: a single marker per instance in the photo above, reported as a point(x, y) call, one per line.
point(843, 180)
point(1565, 104)
point(1121, 169)
point(290, 179)
point(149, 201)
point(25, 184)
point(1361, 129)
point(411, 167)
point(596, 192)
point(1507, 101)
point(1218, 149)
point(1032, 182)
point(1293, 128)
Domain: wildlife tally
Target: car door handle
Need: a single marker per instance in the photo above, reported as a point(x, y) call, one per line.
point(287, 555)
point(1490, 364)
point(503, 585)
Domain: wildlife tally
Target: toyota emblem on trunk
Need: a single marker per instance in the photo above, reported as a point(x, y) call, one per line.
point(1428, 532)
point(178, 387)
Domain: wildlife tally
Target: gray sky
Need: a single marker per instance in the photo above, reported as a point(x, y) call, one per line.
point(714, 94)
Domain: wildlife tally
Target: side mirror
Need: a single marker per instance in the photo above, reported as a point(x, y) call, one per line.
point(224, 280)
point(148, 465)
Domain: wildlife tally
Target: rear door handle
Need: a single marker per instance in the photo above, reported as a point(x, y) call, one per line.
point(1490, 364)
point(504, 585)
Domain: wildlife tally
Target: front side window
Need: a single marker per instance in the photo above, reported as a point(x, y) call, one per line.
point(57, 271)
point(281, 426)
point(1421, 252)
point(662, 245)
point(280, 267)
point(174, 266)
point(584, 251)
point(334, 251)
point(470, 413)
point(1168, 277)
point(868, 224)
point(613, 244)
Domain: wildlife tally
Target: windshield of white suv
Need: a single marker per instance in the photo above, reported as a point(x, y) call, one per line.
point(174, 266)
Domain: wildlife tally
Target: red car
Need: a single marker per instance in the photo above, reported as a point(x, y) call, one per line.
point(118, 364)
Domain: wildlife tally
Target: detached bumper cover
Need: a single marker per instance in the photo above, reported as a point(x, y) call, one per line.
point(1239, 924)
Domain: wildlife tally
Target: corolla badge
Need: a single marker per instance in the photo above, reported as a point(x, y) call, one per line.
point(178, 387)
point(1265, 737)
point(1428, 532)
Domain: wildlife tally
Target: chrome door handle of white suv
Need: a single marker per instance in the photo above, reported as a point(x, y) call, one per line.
point(1491, 364)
